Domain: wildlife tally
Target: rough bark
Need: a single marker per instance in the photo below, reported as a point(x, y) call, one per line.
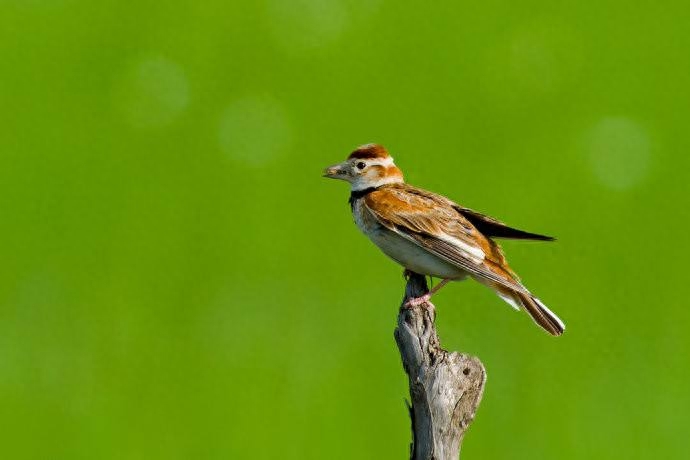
point(445, 388)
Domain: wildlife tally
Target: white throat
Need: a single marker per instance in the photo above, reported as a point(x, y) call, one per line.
point(356, 186)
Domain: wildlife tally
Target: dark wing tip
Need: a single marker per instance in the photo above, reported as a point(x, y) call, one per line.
point(495, 230)
point(488, 226)
point(514, 234)
point(535, 236)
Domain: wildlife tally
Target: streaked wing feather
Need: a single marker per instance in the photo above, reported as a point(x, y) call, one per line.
point(430, 221)
point(450, 253)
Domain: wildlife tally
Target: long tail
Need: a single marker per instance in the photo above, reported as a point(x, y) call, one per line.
point(536, 309)
point(541, 314)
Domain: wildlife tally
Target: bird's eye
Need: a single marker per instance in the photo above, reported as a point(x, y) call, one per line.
point(360, 165)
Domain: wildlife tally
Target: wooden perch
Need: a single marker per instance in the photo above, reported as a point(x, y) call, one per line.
point(445, 388)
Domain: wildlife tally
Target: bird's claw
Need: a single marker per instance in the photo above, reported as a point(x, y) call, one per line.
point(417, 301)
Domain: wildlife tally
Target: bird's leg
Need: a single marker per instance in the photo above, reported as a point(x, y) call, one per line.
point(438, 287)
point(415, 301)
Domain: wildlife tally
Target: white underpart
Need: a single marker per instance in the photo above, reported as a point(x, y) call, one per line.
point(474, 253)
point(405, 252)
point(375, 183)
point(414, 257)
point(509, 300)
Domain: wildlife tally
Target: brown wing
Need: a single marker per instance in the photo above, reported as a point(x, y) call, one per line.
point(432, 222)
point(487, 226)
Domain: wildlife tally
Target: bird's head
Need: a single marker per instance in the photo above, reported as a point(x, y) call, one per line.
point(368, 166)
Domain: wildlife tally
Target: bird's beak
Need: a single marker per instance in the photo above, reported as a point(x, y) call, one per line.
point(336, 172)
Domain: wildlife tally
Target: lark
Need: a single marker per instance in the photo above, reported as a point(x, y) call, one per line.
point(431, 235)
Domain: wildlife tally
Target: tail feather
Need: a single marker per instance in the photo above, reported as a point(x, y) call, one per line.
point(541, 314)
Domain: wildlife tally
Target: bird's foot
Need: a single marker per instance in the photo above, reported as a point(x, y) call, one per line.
point(417, 301)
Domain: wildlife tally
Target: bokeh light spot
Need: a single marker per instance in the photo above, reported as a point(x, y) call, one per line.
point(534, 62)
point(537, 59)
point(254, 130)
point(304, 24)
point(619, 152)
point(153, 92)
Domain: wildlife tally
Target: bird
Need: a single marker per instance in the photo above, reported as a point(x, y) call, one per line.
point(431, 235)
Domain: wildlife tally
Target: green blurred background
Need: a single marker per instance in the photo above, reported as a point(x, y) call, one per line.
point(179, 282)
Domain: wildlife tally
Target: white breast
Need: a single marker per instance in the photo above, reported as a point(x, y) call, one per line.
point(403, 251)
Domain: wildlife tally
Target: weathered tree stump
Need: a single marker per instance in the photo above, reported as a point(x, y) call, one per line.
point(445, 388)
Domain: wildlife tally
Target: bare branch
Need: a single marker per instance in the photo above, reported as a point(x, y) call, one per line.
point(445, 388)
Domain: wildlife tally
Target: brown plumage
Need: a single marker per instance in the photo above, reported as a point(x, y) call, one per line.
point(368, 152)
point(432, 235)
point(423, 215)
